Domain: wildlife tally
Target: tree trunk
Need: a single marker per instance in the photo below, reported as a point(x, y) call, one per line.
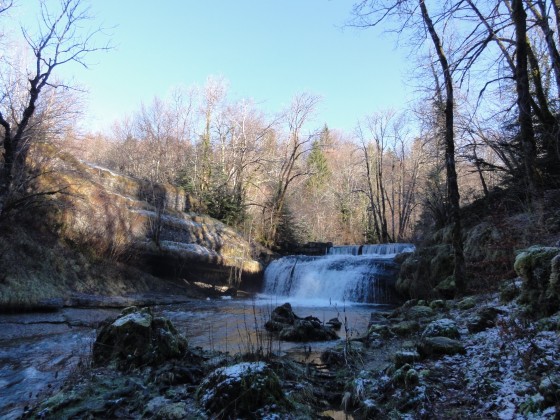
point(524, 97)
point(459, 271)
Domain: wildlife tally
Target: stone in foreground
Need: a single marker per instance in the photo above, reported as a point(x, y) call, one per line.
point(441, 328)
point(440, 346)
point(241, 390)
point(137, 338)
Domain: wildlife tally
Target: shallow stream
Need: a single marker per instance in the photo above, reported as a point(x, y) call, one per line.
point(39, 351)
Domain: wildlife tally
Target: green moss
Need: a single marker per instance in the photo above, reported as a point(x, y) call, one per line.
point(447, 288)
point(539, 267)
point(241, 390)
point(405, 327)
point(533, 264)
point(424, 270)
point(467, 303)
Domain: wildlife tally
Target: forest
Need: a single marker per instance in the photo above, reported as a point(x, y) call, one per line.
point(280, 178)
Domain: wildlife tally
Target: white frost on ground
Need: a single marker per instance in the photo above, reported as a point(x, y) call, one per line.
point(499, 364)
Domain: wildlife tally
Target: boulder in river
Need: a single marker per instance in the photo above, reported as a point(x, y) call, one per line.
point(291, 327)
point(137, 338)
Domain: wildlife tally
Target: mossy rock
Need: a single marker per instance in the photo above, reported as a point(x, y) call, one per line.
point(447, 288)
point(551, 323)
point(441, 328)
point(467, 303)
point(404, 357)
point(440, 346)
point(173, 411)
point(438, 304)
point(423, 270)
point(539, 267)
point(283, 314)
point(534, 265)
point(509, 290)
point(483, 319)
point(479, 241)
point(137, 338)
point(290, 327)
point(382, 330)
point(98, 397)
point(549, 388)
point(305, 330)
point(241, 389)
point(405, 328)
point(412, 378)
point(419, 312)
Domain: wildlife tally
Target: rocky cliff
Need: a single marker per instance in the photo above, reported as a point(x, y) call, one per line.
point(97, 231)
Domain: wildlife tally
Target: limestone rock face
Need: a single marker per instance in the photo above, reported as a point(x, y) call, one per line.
point(240, 390)
point(539, 267)
point(137, 338)
point(158, 224)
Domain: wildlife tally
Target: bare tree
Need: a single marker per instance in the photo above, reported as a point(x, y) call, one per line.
point(373, 139)
point(371, 13)
point(58, 41)
point(390, 173)
point(290, 161)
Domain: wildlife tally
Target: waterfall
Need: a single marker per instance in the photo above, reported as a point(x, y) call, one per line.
point(365, 273)
point(388, 250)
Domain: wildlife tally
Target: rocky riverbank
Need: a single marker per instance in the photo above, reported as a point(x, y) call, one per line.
point(489, 355)
point(477, 357)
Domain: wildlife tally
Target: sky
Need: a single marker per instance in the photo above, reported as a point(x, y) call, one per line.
point(268, 51)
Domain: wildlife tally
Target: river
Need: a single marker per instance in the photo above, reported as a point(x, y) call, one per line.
point(39, 351)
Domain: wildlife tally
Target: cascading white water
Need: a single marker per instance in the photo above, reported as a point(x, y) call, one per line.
point(388, 250)
point(347, 274)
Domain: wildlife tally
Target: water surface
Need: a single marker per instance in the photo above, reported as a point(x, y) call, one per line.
point(39, 351)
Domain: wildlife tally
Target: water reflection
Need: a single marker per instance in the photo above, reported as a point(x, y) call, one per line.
point(237, 326)
point(39, 351)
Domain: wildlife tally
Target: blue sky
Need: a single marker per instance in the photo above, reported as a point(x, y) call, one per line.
point(267, 50)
